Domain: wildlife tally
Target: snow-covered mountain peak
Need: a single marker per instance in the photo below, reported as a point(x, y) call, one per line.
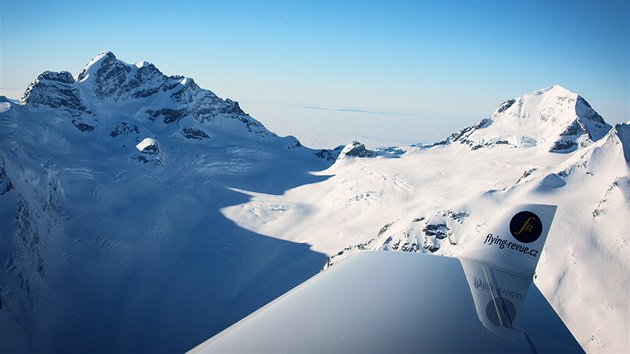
point(94, 65)
point(555, 89)
point(552, 118)
point(109, 87)
point(107, 77)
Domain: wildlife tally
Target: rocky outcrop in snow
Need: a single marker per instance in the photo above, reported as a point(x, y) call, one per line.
point(329, 155)
point(421, 235)
point(150, 151)
point(356, 149)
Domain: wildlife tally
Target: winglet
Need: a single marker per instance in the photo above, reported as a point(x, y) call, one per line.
point(514, 243)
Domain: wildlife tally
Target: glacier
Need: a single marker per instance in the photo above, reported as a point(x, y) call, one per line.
point(140, 212)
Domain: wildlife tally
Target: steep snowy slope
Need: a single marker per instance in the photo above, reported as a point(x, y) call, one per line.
point(553, 118)
point(438, 199)
point(585, 270)
point(142, 213)
point(110, 190)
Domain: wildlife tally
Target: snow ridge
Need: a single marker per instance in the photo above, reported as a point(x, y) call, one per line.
point(105, 79)
point(554, 119)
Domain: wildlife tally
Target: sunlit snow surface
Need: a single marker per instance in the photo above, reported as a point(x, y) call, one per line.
point(438, 199)
point(119, 248)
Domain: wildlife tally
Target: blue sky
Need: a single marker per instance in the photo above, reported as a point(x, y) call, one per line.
point(453, 59)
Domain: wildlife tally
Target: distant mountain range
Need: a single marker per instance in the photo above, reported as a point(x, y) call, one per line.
point(142, 213)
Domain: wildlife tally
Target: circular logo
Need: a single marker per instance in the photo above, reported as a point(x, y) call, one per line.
point(526, 227)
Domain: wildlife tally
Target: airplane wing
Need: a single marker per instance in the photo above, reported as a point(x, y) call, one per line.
point(393, 302)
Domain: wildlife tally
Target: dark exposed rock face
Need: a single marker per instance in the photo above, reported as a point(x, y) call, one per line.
point(5, 182)
point(83, 127)
point(168, 99)
point(59, 91)
point(329, 155)
point(505, 105)
point(56, 90)
point(150, 153)
point(439, 231)
point(422, 235)
point(167, 115)
point(356, 149)
point(192, 133)
point(111, 77)
point(462, 135)
point(124, 128)
point(587, 111)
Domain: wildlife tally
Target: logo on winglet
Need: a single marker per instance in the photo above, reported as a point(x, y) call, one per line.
point(526, 227)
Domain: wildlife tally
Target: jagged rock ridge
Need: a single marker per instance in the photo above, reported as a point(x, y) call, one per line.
point(168, 99)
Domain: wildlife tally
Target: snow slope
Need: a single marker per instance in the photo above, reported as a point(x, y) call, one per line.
point(438, 199)
point(142, 213)
point(110, 190)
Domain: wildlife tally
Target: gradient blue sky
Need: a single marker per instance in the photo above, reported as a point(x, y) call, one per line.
point(447, 58)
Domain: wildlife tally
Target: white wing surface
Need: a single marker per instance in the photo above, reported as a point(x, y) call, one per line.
point(392, 302)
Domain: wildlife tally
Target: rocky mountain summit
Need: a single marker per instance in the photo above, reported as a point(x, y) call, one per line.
point(554, 119)
point(107, 84)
